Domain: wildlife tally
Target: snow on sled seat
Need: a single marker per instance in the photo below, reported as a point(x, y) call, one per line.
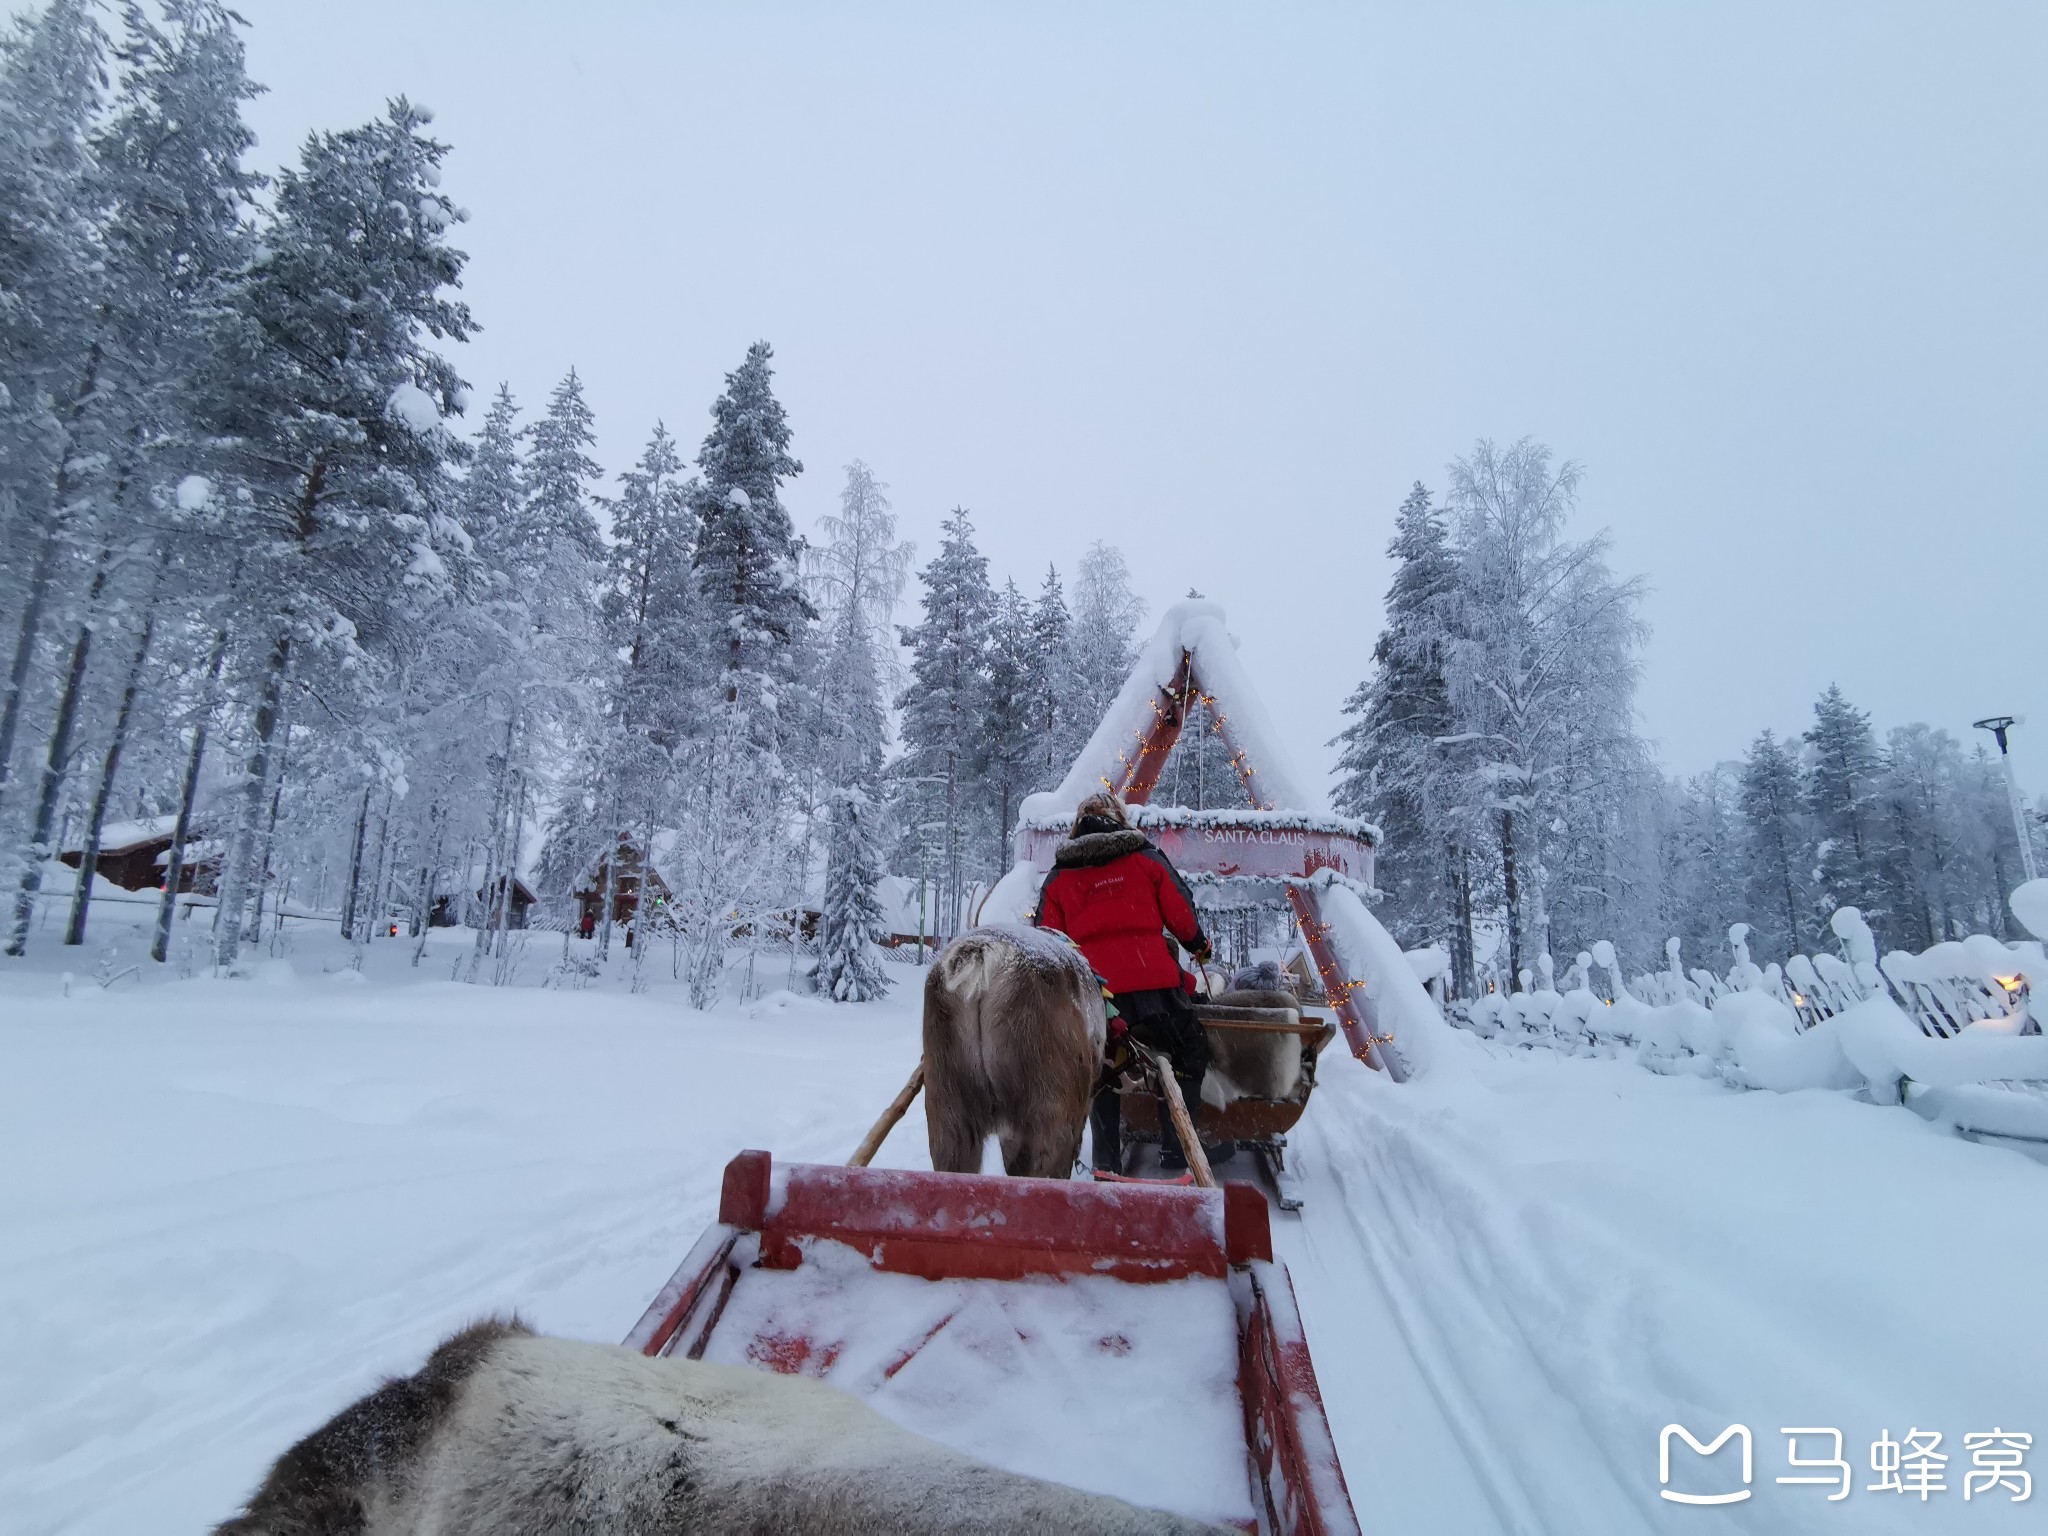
point(1016, 1320)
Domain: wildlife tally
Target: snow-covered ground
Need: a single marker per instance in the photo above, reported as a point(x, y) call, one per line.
point(234, 1205)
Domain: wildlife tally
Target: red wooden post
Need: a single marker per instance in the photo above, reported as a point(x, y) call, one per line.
point(1141, 774)
point(1354, 1012)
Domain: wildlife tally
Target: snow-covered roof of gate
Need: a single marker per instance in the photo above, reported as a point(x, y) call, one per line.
point(1196, 627)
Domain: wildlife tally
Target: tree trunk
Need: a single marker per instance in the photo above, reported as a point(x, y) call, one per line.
point(380, 907)
point(1462, 946)
point(56, 763)
point(501, 946)
point(1512, 882)
point(1791, 901)
point(491, 846)
point(284, 752)
point(42, 572)
point(89, 858)
point(235, 875)
point(429, 873)
point(351, 896)
point(174, 868)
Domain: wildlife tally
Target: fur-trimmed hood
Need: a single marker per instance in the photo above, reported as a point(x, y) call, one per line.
point(1092, 848)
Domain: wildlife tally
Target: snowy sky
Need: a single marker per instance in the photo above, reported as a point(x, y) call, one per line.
point(1217, 284)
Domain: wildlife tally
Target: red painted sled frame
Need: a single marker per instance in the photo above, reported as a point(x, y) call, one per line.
point(965, 1226)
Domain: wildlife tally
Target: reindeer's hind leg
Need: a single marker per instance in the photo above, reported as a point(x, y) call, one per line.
point(1044, 1152)
point(955, 1141)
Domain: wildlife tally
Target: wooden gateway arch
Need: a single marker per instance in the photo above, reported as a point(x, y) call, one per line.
point(1277, 848)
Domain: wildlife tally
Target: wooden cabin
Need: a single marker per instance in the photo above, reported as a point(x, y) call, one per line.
point(626, 892)
point(449, 909)
point(135, 854)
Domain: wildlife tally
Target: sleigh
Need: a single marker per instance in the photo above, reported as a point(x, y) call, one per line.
point(1257, 1124)
point(1130, 1339)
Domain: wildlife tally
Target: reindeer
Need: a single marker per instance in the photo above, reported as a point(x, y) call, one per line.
point(505, 1432)
point(1013, 1035)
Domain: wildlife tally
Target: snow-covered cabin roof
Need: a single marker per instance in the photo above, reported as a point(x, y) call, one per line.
point(125, 836)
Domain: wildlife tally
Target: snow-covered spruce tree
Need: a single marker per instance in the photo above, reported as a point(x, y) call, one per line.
point(849, 971)
point(326, 403)
point(1008, 742)
point(1047, 703)
point(735, 860)
point(1776, 854)
point(1100, 646)
point(1397, 768)
point(1839, 787)
point(561, 480)
point(650, 604)
point(943, 709)
point(541, 688)
point(1541, 663)
point(747, 554)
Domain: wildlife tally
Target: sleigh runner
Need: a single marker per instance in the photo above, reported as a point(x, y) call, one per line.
point(1012, 1318)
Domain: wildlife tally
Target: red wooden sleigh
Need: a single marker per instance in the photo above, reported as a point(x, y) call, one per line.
point(867, 1277)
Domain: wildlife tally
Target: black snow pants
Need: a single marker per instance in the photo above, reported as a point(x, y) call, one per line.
point(1162, 1019)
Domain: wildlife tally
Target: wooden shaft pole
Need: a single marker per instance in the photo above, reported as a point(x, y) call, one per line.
point(1183, 1123)
point(871, 1143)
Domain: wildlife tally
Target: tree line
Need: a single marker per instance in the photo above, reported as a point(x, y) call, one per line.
point(1495, 742)
point(258, 585)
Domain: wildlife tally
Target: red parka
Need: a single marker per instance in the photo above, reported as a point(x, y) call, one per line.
point(1117, 896)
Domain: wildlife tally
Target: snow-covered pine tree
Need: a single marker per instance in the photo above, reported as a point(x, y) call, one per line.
point(1045, 686)
point(942, 712)
point(1776, 851)
point(747, 553)
point(735, 853)
point(561, 482)
point(849, 971)
point(1100, 648)
point(1839, 788)
point(326, 401)
point(1541, 664)
point(650, 600)
point(1395, 767)
point(1006, 727)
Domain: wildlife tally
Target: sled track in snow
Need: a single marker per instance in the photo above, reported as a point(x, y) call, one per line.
point(1437, 1337)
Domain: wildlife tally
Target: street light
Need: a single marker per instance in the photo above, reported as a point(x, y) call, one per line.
point(1998, 725)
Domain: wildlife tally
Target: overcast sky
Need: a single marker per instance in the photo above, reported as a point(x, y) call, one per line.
point(1216, 284)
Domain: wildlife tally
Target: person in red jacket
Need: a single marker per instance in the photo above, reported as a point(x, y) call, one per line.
point(1118, 897)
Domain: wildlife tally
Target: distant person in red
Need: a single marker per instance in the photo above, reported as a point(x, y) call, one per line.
point(589, 923)
point(1118, 897)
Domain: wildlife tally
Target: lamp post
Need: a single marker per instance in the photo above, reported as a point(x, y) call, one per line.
point(1998, 725)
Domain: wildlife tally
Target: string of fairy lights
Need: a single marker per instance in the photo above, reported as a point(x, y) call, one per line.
point(1164, 731)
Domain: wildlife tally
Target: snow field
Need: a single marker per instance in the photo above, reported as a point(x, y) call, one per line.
point(237, 1205)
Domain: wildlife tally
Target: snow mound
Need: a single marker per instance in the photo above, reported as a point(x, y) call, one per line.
point(414, 407)
point(2030, 905)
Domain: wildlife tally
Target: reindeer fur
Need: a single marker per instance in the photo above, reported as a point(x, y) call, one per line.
point(1013, 1035)
point(1243, 1065)
point(504, 1433)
